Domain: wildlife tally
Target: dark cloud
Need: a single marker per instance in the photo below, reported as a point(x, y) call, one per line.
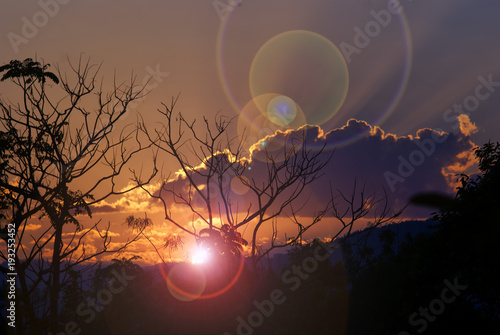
point(107, 209)
point(398, 166)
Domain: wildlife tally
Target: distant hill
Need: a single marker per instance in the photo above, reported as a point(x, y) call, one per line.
point(365, 238)
point(370, 236)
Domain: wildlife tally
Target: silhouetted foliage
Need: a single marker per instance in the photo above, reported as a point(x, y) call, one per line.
point(389, 296)
point(226, 242)
point(49, 140)
point(28, 70)
point(72, 295)
point(173, 243)
point(470, 229)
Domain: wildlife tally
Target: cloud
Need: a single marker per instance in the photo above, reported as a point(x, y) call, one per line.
point(466, 126)
point(89, 235)
point(32, 226)
point(107, 208)
point(400, 166)
point(144, 247)
point(136, 200)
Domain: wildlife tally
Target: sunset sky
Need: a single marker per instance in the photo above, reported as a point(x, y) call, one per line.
point(382, 82)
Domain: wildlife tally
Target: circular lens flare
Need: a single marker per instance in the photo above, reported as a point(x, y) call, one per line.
point(224, 50)
point(265, 115)
point(281, 110)
point(307, 69)
point(239, 185)
point(185, 281)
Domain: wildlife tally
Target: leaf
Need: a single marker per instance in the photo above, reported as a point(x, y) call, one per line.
point(433, 200)
point(52, 76)
point(28, 68)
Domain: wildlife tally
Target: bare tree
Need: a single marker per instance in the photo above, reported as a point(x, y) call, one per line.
point(349, 209)
point(60, 134)
point(210, 162)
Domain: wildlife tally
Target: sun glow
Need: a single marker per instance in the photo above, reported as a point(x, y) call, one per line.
point(200, 256)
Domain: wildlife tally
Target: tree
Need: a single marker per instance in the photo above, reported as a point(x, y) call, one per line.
point(215, 159)
point(63, 131)
point(470, 227)
point(29, 69)
point(460, 246)
point(210, 161)
point(173, 243)
point(72, 295)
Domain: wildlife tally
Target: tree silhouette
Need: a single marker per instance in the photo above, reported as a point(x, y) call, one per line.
point(471, 226)
point(48, 145)
point(215, 157)
point(28, 70)
point(460, 246)
point(224, 242)
point(210, 160)
point(72, 295)
point(173, 243)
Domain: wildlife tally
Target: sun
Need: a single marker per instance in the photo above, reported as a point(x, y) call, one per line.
point(200, 256)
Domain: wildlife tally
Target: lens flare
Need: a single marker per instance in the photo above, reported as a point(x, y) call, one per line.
point(307, 69)
point(271, 51)
point(186, 282)
point(281, 110)
point(255, 122)
point(200, 256)
point(239, 185)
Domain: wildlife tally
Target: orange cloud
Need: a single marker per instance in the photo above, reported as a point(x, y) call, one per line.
point(136, 200)
point(466, 126)
point(32, 226)
point(464, 161)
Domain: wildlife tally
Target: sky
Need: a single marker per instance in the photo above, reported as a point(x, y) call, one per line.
point(400, 92)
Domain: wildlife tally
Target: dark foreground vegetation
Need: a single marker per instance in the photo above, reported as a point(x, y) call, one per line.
point(443, 281)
